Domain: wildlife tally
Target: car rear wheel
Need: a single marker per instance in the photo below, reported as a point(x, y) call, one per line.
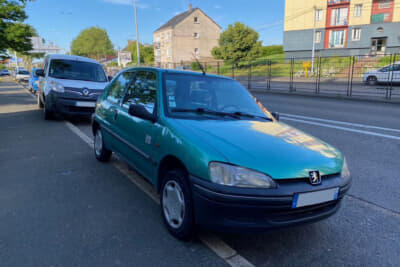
point(100, 151)
point(372, 80)
point(177, 205)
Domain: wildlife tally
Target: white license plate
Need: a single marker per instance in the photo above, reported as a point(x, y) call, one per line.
point(312, 198)
point(85, 104)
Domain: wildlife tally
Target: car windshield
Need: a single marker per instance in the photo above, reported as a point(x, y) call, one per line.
point(195, 96)
point(23, 72)
point(77, 70)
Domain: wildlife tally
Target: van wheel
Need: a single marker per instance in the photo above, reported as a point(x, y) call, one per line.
point(48, 115)
point(177, 205)
point(39, 102)
point(372, 80)
point(100, 151)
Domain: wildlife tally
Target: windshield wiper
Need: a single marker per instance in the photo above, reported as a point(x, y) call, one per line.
point(206, 111)
point(244, 114)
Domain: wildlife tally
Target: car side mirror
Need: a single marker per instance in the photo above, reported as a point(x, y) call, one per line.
point(275, 115)
point(141, 112)
point(110, 78)
point(39, 73)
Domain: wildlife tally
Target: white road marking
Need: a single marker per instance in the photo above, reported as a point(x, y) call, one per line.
point(342, 123)
point(218, 246)
point(343, 128)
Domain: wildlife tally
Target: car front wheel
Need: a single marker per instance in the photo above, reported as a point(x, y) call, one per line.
point(100, 151)
point(47, 114)
point(177, 205)
point(372, 80)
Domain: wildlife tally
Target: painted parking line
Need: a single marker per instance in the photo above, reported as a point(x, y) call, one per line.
point(343, 128)
point(342, 123)
point(217, 245)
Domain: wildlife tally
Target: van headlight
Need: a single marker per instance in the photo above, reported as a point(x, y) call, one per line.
point(345, 170)
point(56, 87)
point(225, 174)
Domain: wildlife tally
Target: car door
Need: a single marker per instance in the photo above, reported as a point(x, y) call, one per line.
point(110, 108)
point(138, 137)
point(396, 73)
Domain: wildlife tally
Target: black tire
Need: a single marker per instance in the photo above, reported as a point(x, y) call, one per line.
point(372, 80)
point(186, 229)
point(39, 102)
point(47, 114)
point(100, 151)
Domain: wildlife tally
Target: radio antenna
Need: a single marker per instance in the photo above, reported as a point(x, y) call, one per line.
point(201, 66)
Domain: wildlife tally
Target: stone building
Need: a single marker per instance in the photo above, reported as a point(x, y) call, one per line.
point(186, 36)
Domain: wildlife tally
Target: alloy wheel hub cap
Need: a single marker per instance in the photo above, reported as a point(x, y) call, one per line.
point(173, 204)
point(98, 142)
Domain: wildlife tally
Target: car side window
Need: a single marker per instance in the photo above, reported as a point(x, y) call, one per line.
point(118, 87)
point(142, 91)
point(396, 67)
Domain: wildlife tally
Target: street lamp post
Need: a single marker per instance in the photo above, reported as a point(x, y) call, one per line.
point(313, 41)
point(137, 36)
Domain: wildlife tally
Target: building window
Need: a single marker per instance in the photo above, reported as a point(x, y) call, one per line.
point(196, 51)
point(358, 10)
point(318, 15)
point(168, 36)
point(196, 20)
point(385, 4)
point(168, 52)
point(337, 39)
point(317, 37)
point(356, 34)
point(196, 35)
point(339, 16)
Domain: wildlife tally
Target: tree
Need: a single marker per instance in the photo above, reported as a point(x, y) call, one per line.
point(92, 42)
point(14, 34)
point(146, 53)
point(239, 42)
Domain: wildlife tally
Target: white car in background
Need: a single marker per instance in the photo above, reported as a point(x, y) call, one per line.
point(387, 74)
point(22, 75)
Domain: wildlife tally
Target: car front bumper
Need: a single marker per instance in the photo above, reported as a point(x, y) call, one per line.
point(226, 208)
point(56, 102)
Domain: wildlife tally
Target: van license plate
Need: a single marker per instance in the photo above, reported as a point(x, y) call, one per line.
point(312, 198)
point(85, 104)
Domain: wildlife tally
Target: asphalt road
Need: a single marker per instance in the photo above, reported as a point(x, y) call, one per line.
point(59, 207)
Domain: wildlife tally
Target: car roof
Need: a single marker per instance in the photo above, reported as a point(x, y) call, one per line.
point(176, 72)
point(71, 57)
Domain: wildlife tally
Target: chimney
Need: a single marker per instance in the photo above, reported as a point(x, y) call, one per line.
point(190, 7)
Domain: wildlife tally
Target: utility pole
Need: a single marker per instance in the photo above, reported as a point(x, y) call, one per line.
point(16, 60)
point(137, 36)
point(313, 41)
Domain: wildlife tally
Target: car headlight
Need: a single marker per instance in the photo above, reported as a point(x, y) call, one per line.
point(230, 175)
point(345, 170)
point(57, 87)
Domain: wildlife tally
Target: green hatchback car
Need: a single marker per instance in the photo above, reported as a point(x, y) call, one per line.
point(218, 158)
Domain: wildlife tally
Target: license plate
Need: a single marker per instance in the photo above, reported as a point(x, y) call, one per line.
point(312, 198)
point(85, 104)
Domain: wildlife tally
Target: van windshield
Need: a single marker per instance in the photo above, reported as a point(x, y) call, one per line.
point(77, 70)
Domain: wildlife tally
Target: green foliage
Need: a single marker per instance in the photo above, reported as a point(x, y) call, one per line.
point(239, 42)
point(385, 61)
point(272, 50)
point(146, 53)
point(14, 34)
point(195, 66)
point(216, 53)
point(113, 64)
point(92, 42)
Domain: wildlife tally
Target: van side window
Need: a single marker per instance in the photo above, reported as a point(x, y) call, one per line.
point(118, 87)
point(142, 91)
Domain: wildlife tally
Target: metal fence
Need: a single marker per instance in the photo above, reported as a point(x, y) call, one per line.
point(333, 76)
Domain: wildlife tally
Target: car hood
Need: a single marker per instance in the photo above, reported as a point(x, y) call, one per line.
point(273, 148)
point(81, 84)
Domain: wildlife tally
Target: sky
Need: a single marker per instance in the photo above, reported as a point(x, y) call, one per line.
point(60, 21)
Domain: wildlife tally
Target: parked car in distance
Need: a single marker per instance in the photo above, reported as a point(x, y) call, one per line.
point(34, 81)
point(22, 76)
point(387, 74)
point(217, 156)
point(5, 72)
point(70, 85)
